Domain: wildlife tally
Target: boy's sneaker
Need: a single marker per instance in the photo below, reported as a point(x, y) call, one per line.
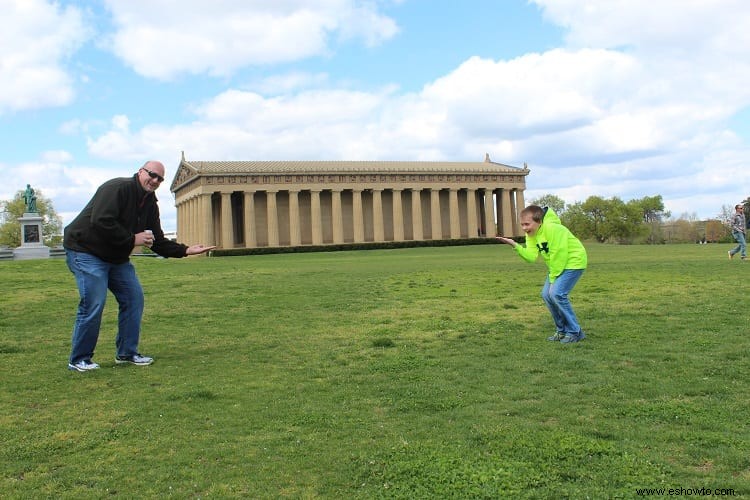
point(135, 359)
point(573, 337)
point(557, 337)
point(729, 252)
point(84, 365)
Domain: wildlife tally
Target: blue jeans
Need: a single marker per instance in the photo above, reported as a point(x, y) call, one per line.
point(555, 295)
point(741, 248)
point(93, 277)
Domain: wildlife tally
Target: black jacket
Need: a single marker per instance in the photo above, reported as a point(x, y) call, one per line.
point(107, 225)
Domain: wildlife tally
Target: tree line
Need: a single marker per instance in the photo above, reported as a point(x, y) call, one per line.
point(637, 221)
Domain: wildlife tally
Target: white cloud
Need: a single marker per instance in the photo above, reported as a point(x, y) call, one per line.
point(694, 41)
point(597, 115)
point(57, 156)
point(162, 40)
point(36, 38)
point(619, 112)
point(121, 123)
point(71, 127)
point(669, 122)
point(289, 82)
point(665, 26)
point(54, 176)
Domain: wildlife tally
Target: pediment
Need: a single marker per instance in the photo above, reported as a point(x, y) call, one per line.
point(184, 174)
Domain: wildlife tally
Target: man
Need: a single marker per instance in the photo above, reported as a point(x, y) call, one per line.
point(738, 232)
point(122, 215)
point(566, 260)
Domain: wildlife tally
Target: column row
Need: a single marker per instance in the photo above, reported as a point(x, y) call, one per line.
point(300, 217)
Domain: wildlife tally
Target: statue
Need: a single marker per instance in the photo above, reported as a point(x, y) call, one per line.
point(30, 199)
point(32, 238)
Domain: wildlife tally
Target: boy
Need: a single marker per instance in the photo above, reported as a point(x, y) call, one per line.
point(566, 260)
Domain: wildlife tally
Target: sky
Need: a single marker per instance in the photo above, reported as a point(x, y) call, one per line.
point(626, 98)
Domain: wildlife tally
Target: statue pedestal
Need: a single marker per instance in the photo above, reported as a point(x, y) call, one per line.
point(32, 246)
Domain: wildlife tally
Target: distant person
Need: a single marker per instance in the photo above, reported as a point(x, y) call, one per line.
point(122, 215)
point(738, 232)
point(566, 260)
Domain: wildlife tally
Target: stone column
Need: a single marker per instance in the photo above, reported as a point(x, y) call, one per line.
point(181, 217)
point(295, 232)
point(207, 228)
point(507, 223)
point(251, 240)
point(453, 207)
point(227, 235)
point(201, 215)
point(183, 224)
point(437, 222)
point(520, 205)
point(316, 218)
point(183, 229)
point(398, 216)
point(191, 226)
point(273, 219)
point(489, 214)
point(199, 220)
point(377, 215)
point(337, 217)
point(358, 216)
point(416, 214)
point(471, 211)
point(193, 222)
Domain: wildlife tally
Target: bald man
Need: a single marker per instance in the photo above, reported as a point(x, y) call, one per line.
point(122, 215)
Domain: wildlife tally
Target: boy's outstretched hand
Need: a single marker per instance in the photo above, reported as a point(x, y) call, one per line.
point(505, 240)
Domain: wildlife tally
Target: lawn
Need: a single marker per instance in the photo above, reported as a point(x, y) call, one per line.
point(411, 373)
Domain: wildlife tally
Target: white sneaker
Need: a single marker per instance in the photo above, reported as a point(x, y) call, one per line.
point(135, 359)
point(84, 365)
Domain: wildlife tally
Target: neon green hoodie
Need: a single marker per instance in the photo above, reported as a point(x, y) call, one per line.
point(560, 249)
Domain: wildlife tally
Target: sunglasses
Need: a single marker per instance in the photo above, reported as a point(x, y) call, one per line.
point(154, 175)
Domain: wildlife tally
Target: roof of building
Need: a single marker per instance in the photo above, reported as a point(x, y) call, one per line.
point(343, 166)
point(191, 170)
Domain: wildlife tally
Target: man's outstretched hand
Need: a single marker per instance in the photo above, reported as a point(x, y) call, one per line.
point(198, 249)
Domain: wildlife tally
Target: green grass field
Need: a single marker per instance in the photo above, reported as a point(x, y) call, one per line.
point(414, 373)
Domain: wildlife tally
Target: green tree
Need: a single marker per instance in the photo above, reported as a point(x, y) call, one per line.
point(552, 201)
point(596, 209)
point(606, 219)
point(687, 228)
point(652, 208)
point(716, 231)
point(652, 211)
point(578, 221)
point(10, 228)
point(625, 221)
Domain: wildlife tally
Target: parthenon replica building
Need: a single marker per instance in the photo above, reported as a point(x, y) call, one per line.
point(249, 204)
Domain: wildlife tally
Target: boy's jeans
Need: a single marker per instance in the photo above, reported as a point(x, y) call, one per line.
point(741, 248)
point(555, 295)
point(93, 277)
